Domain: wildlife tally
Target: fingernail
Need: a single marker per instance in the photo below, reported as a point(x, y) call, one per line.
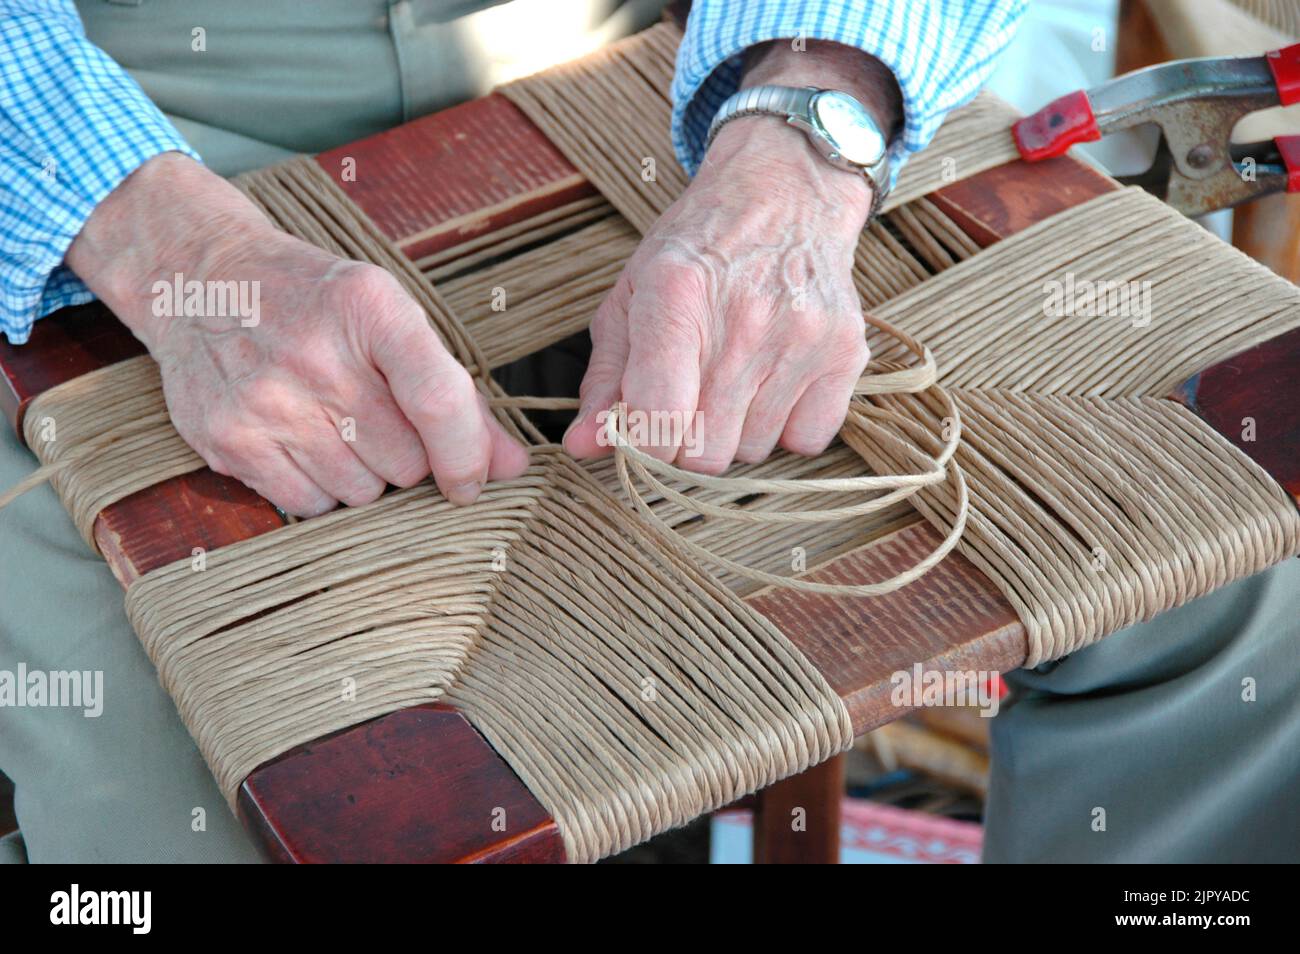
point(465, 493)
point(578, 418)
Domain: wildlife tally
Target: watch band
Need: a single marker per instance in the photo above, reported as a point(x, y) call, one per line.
point(793, 102)
point(762, 101)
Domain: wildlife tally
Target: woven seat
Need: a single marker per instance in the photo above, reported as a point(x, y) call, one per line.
point(624, 680)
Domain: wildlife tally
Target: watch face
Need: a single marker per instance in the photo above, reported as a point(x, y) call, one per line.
point(848, 126)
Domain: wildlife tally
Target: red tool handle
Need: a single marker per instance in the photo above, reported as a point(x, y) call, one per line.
point(1288, 147)
point(1285, 66)
point(1056, 127)
point(1069, 120)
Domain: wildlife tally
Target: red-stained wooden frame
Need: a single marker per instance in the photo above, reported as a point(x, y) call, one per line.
point(422, 784)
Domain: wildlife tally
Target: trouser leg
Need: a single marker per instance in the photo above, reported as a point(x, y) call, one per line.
point(1177, 740)
point(128, 785)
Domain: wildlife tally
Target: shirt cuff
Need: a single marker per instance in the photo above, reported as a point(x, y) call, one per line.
point(73, 126)
point(939, 54)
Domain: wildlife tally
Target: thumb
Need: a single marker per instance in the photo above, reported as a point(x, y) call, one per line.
point(602, 384)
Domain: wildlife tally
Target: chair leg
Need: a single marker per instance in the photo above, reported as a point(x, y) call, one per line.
point(797, 820)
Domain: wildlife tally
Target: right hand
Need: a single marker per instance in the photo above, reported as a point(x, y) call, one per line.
point(335, 340)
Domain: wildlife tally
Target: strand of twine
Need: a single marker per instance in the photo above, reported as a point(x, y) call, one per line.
point(79, 453)
point(862, 424)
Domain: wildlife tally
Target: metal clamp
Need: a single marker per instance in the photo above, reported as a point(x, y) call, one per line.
point(1196, 103)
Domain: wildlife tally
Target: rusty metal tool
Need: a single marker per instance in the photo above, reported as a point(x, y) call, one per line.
point(1196, 104)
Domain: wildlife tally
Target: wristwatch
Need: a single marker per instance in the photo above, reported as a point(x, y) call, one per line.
point(837, 125)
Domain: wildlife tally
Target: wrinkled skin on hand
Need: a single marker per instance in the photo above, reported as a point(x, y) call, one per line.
point(341, 349)
point(339, 388)
point(738, 310)
point(737, 314)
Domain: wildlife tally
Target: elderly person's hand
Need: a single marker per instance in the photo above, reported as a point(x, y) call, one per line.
point(338, 386)
point(738, 312)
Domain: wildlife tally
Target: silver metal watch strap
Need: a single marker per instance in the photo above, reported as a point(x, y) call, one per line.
point(763, 101)
point(786, 101)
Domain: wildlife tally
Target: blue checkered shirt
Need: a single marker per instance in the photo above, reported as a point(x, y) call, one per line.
point(73, 124)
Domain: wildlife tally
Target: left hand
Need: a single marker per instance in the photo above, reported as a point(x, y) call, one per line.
point(738, 310)
point(737, 314)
